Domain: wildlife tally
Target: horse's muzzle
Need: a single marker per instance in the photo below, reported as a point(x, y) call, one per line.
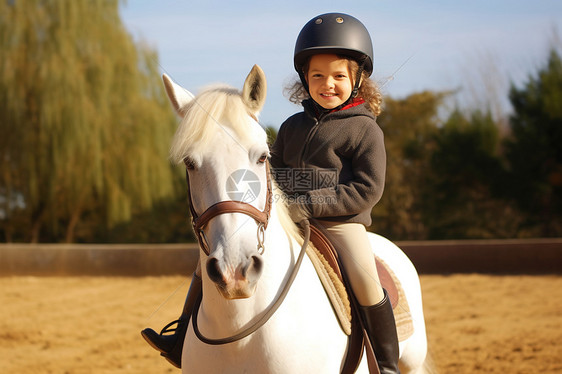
point(239, 283)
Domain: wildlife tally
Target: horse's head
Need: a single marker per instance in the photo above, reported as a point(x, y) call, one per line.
point(225, 152)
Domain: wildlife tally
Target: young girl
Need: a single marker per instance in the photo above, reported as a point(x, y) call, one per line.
point(334, 153)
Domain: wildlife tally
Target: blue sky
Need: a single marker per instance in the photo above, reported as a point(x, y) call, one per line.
point(447, 44)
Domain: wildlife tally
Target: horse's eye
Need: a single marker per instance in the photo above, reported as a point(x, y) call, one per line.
point(262, 159)
point(189, 163)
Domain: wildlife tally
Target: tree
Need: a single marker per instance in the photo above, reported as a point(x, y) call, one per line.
point(84, 125)
point(534, 149)
point(465, 182)
point(409, 126)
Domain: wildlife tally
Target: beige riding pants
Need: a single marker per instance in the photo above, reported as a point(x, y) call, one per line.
point(356, 255)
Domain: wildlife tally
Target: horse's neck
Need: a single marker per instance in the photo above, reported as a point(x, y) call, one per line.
point(282, 252)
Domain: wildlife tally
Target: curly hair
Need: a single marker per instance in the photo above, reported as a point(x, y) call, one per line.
point(368, 89)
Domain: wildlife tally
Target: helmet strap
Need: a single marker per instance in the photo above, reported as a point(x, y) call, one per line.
point(304, 82)
point(355, 90)
point(358, 79)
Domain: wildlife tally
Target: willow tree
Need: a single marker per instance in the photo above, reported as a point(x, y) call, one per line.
point(84, 127)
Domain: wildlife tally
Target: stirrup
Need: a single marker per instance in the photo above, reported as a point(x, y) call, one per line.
point(165, 342)
point(173, 335)
point(166, 329)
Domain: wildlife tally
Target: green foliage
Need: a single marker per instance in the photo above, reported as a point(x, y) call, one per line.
point(467, 182)
point(271, 134)
point(167, 222)
point(464, 178)
point(84, 125)
point(85, 129)
point(534, 149)
point(409, 126)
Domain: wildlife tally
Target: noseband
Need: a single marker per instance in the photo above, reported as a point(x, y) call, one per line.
point(261, 217)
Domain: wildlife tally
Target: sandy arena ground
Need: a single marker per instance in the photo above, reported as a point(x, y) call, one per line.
point(79, 325)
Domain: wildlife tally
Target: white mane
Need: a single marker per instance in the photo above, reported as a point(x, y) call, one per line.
point(285, 220)
point(213, 110)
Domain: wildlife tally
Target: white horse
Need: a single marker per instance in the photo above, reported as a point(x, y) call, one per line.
point(246, 261)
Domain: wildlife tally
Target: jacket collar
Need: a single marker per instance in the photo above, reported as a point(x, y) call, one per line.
point(356, 107)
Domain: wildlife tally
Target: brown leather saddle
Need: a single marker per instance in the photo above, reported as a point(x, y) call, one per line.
point(357, 339)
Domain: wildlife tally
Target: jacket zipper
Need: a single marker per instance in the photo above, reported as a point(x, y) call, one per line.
point(307, 141)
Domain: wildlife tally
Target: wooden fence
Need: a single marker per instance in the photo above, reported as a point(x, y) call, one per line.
point(536, 256)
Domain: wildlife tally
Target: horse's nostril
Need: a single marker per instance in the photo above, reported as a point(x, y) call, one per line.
point(253, 269)
point(214, 271)
point(258, 263)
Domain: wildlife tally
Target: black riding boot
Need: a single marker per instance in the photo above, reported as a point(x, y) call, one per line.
point(381, 329)
point(171, 345)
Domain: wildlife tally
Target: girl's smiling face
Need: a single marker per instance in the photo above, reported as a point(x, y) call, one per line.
point(329, 80)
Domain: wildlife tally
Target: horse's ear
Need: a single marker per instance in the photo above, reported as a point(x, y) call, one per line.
point(255, 90)
point(179, 96)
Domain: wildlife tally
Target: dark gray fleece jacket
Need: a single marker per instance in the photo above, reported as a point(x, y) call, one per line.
point(334, 163)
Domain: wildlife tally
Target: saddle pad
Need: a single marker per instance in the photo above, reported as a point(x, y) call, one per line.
point(323, 257)
point(402, 315)
point(334, 287)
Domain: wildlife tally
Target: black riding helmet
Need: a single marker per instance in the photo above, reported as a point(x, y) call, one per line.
point(335, 33)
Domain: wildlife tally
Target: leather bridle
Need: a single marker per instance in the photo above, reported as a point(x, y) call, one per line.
point(231, 206)
point(262, 218)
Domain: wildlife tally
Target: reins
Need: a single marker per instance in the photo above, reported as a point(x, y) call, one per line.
point(268, 313)
point(262, 219)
